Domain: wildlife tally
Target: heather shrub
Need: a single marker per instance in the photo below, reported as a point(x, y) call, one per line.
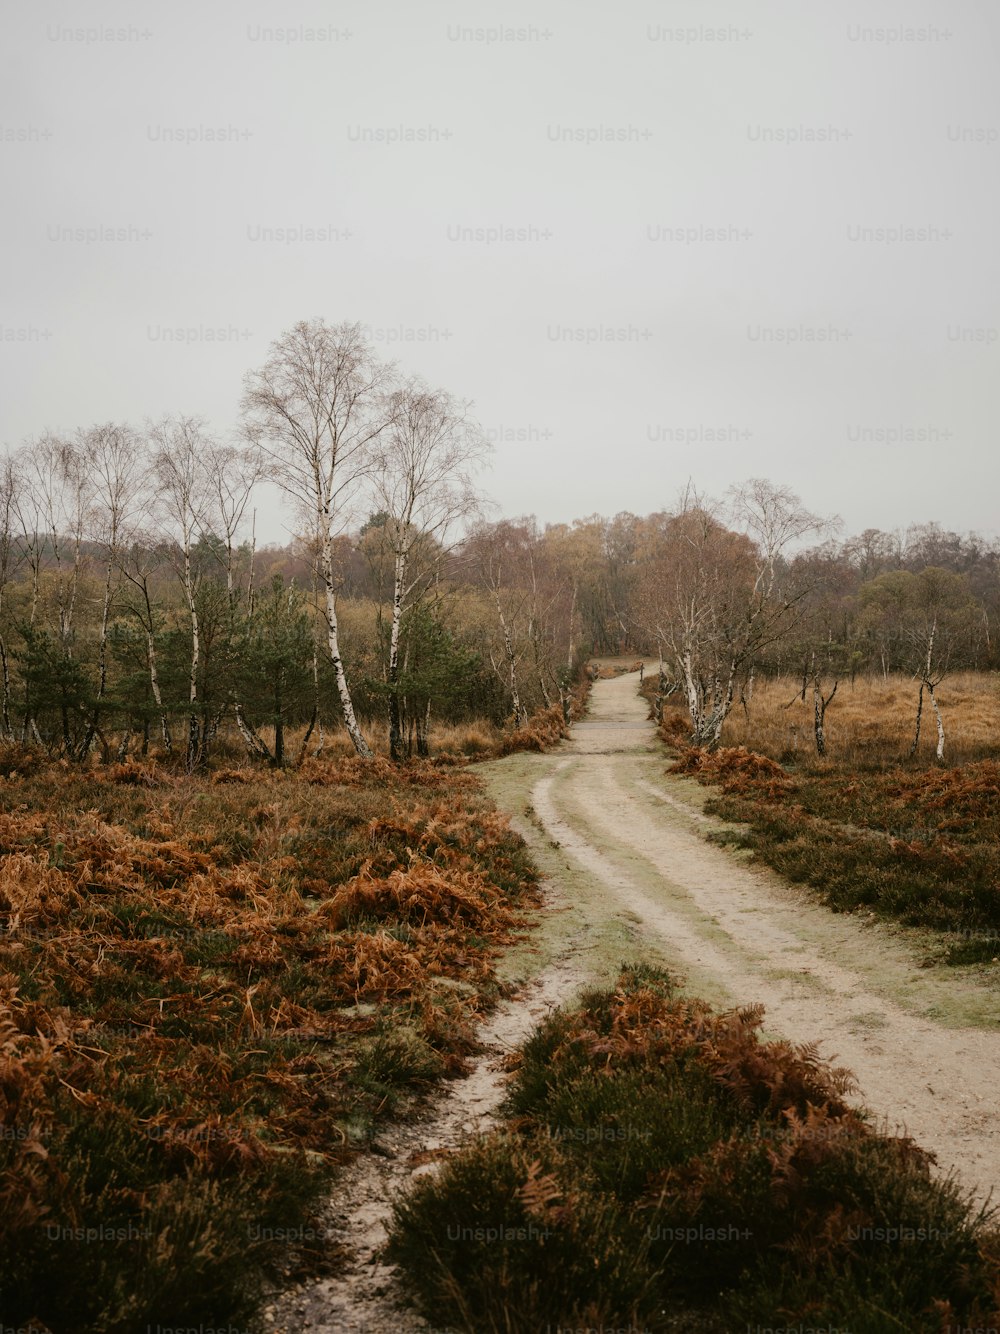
point(212, 989)
point(687, 1171)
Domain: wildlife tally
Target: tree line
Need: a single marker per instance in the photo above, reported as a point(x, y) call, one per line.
point(137, 611)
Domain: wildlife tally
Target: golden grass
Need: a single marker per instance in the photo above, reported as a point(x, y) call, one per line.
point(871, 719)
point(476, 739)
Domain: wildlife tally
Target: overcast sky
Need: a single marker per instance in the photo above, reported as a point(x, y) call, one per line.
point(649, 241)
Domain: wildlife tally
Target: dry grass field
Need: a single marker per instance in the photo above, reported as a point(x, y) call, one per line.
point(870, 722)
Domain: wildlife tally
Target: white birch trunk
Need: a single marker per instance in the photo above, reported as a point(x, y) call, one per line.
point(154, 685)
point(572, 617)
point(194, 731)
point(333, 639)
point(691, 691)
point(395, 721)
point(937, 719)
point(508, 647)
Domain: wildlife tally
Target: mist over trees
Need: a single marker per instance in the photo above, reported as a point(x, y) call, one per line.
point(138, 614)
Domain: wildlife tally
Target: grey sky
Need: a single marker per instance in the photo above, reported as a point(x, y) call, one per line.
point(616, 344)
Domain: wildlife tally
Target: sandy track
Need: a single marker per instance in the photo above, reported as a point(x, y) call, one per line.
point(719, 918)
point(624, 853)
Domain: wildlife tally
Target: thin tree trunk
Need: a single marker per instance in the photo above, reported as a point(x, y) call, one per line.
point(536, 653)
point(196, 730)
point(572, 617)
point(520, 714)
point(395, 722)
point(544, 690)
point(5, 666)
point(305, 740)
point(661, 681)
point(937, 718)
point(566, 701)
point(251, 593)
point(256, 748)
point(920, 711)
point(317, 717)
point(423, 726)
point(333, 636)
point(819, 713)
point(691, 691)
point(708, 728)
point(154, 685)
point(102, 661)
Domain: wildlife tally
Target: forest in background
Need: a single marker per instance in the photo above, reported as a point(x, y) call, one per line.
point(138, 615)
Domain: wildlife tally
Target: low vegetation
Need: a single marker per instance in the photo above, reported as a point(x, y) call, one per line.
point(659, 1160)
point(211, 990)
point(869, 827)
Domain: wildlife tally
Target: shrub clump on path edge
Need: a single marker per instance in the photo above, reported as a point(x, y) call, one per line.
point(660, 1161)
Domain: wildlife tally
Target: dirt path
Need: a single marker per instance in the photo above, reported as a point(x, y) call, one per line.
point(630, 875)
point(905, 1032)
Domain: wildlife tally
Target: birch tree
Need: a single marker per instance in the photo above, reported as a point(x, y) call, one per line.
point(55, 497)
point(232, 474)
point(577, 554)
point(499, 554)
point(139, 562)
point(930, 617)
point(56, 477)
point(715, 596)
point(116, 460)
point(316, 409)
point(423, 487)
point(942, 622)
point(11, 554)
point(180, 466)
